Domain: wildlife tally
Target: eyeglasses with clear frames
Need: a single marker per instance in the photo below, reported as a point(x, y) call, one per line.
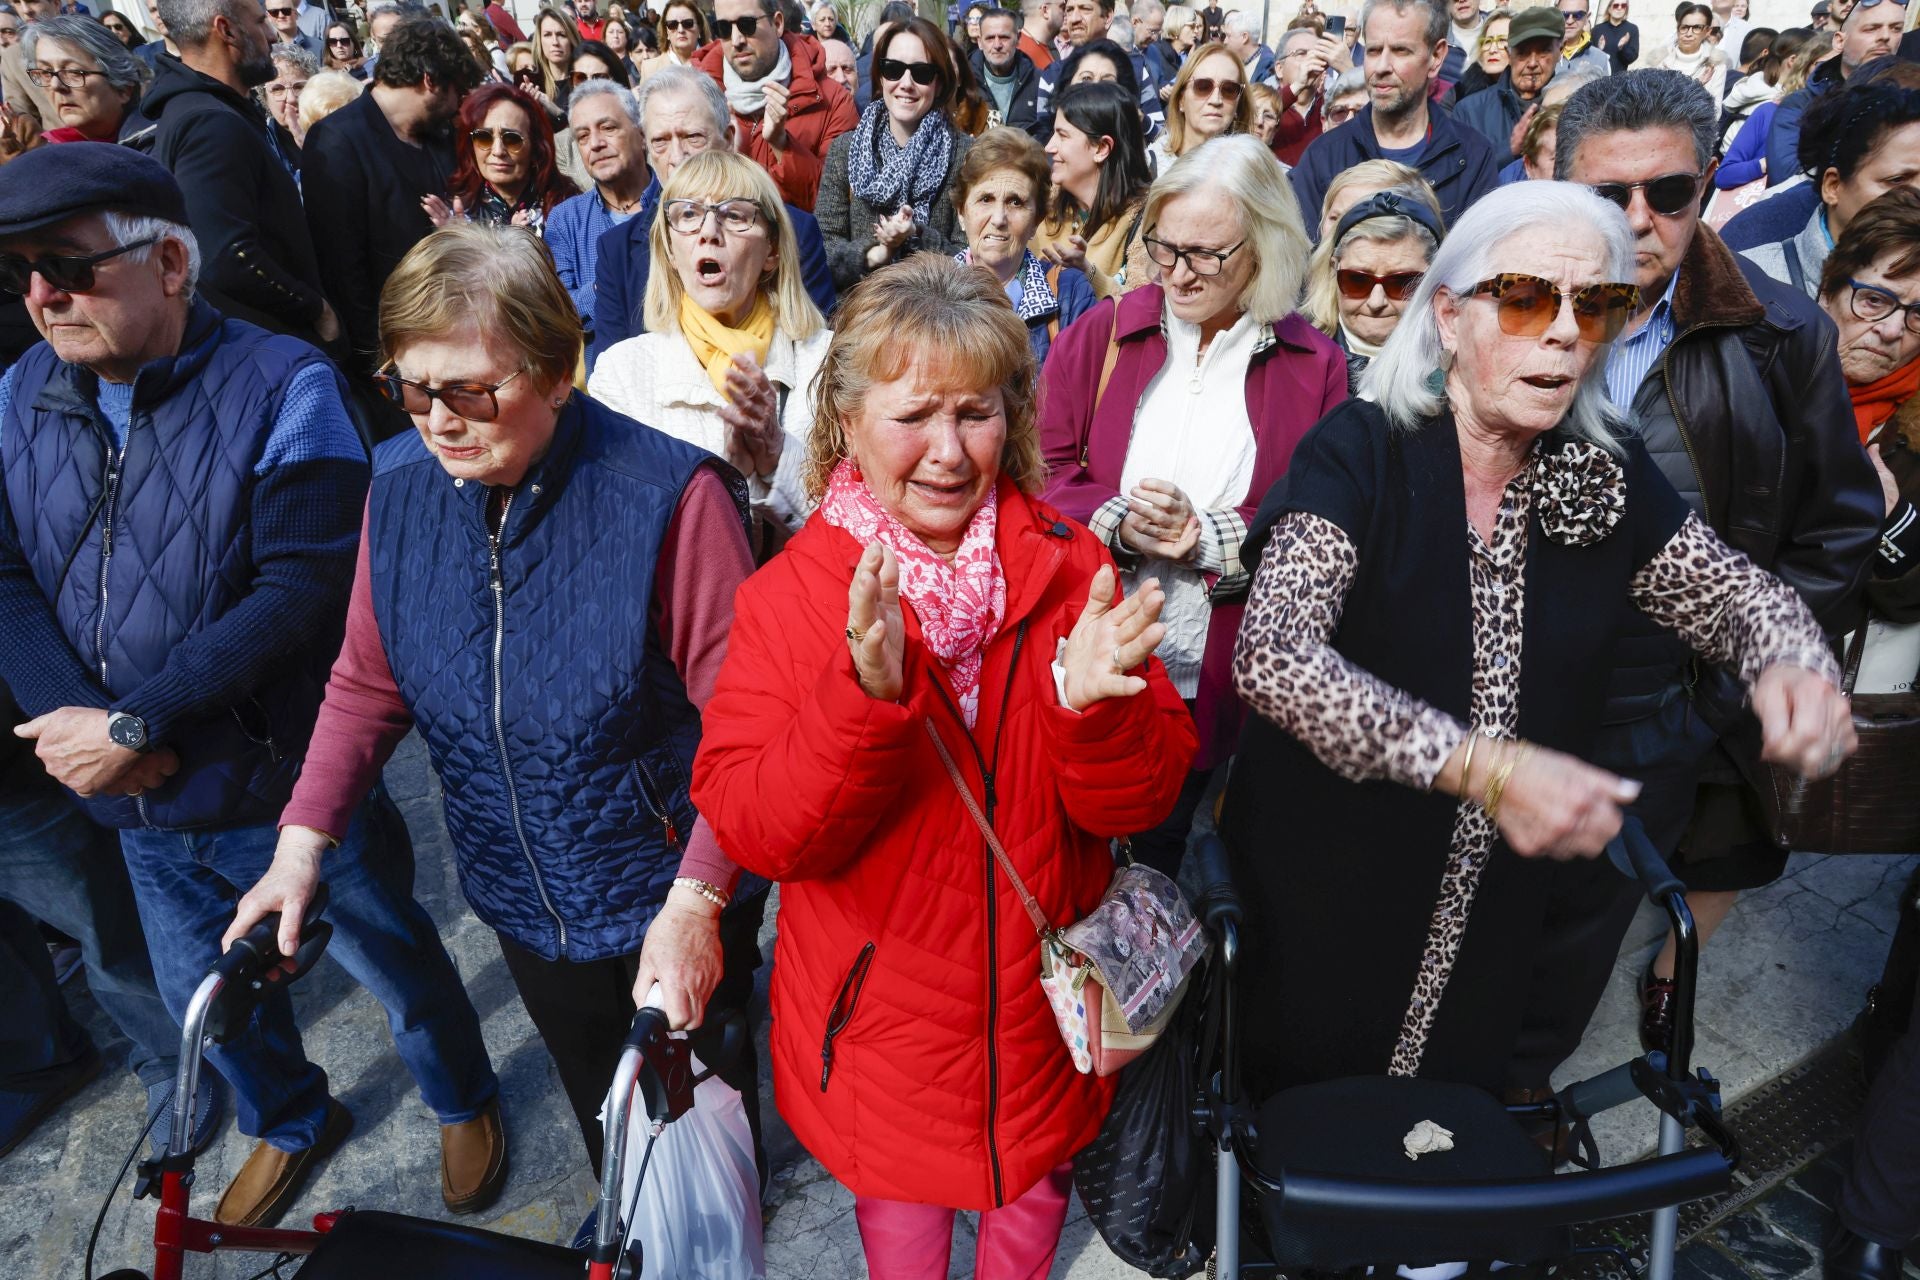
point(688, 216)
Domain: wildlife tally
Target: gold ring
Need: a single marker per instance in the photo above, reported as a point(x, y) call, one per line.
point(855, 634)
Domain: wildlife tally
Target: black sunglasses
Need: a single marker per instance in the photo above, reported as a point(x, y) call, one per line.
point(892, 69)
point(723, 27)
point(685, 24)
point(279, 13)
point(511, 139)
point(69, 273)
point(345, 40)
point(472, 401)
point(1669, 195)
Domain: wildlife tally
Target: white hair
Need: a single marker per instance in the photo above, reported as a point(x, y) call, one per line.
point(678, 81)
point(1240, 23)
point(125, 228)
point(1269, 216)
point(1490, 238)
point(601, 87)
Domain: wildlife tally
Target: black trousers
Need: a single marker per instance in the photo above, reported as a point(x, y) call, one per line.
point(1880, 1198)
point(584, 1010)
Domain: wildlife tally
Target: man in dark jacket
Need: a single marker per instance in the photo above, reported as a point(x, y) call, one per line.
point(366, 168)
point(682, 112)
point(1007, 76)
point(200, 120)
point(1533, 47)
point(1733, 382)
point(178, 530)
point(1406, 43)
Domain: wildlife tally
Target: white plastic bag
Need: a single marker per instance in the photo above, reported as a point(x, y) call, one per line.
point(698, 1216)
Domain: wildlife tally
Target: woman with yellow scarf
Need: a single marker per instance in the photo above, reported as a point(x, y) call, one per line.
point(732, 340)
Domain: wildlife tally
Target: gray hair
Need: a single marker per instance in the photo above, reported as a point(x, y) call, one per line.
point(1288, 36)
point(676, 81)
point(601, 87)
point(299, 59)
point(1239, 22)
point(1635, 102)
point(123, 70)
point(1269, 216)
point(1437, 19)
point(1350, 81)
point(1142, 9)
point(190, 22)
point(125, 228)
point(1399, 379)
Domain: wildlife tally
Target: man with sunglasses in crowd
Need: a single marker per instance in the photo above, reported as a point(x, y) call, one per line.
point(1733, 383)
point(1578, 50)
point(182, 500)
point(786, 110)
point(285, 16)
point(199, 119)
point(1405, 42)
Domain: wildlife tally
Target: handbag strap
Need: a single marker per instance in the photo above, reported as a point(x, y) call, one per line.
point(1106, 374)
point(1034, 912)
point(1856, 650)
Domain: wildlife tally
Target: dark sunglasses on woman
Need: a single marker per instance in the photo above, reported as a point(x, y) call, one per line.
point(723, 27)
point(1204, 86)
point(1528, 306)
point(472, 401)
point(511, 139)
point(892, 69)
point(69, 273)
point(1356, 285)
point(1669, 195)
point(685, 24)
point(345, 42)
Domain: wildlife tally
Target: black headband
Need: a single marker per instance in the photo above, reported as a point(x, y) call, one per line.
point(1387, 204)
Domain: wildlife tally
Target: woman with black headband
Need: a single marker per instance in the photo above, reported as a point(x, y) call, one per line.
point(1361, 276)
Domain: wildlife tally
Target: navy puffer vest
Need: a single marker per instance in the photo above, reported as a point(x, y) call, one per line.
point(179, 504)
point(558, 725)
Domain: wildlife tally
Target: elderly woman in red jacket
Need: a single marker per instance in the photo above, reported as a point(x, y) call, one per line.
point(931, 594)
point(1168, 414)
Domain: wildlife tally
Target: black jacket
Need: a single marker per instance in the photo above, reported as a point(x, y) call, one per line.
point(1621, 42)
point(1457, 162)
point(1023, 109)
point(1748, 416)
point(363, 188)
point(257, 261)
point(1492, 113)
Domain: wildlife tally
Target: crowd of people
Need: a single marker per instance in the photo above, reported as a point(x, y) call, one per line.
point(704, 426)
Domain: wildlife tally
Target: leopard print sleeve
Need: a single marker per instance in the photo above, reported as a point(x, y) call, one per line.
point(1730, 610)
point(1286, 669)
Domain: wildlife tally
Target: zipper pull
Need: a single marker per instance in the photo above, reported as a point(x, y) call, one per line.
point(673, 832)
point(826, 1062)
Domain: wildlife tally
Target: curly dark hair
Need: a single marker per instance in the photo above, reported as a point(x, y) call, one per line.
point(418, 48)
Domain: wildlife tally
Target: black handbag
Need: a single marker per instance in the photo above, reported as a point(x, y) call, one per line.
point(1143, 1179)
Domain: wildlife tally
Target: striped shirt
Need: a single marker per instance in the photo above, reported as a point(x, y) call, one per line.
point(1631, 358)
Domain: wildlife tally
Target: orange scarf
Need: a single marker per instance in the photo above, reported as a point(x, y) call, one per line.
point(1875, 402)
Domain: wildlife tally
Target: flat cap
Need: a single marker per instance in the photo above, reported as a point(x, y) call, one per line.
point(1534, 24)
point(66, 180)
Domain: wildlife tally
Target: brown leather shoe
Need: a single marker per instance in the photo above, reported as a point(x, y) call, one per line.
point(473, 1161)
point(270, 1179)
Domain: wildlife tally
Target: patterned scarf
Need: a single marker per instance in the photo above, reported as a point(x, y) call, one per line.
point(1036, 299)
point(915, 174)
point(959, 604)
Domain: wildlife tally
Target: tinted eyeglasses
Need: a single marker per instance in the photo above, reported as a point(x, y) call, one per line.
point(687, 24)
point(345, 42)
point(511, 139)
point(892, 69)
point(69, 273)
point(1204, 87)
point(688, 216)
point(1574, 15)
point(1669, 196)
point(1202, 262)
point(280, 13)
point(1528, 306)
point(473, 401)
point(1873, 304)
point(723, 28)
point(1356, 286)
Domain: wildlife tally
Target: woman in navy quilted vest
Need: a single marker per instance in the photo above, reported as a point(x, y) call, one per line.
point(544, 591)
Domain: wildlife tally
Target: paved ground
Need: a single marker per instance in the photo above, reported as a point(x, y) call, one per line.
point(1784, 978)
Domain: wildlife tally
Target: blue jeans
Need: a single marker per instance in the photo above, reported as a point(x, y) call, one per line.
point(59, 868)
point(187, 882)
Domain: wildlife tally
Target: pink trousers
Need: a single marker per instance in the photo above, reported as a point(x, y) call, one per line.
point(1017, 1241)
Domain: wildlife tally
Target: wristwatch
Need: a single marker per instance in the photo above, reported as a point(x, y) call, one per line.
point(130, 731)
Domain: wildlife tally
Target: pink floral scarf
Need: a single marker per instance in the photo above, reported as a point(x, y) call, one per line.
point(959, 605)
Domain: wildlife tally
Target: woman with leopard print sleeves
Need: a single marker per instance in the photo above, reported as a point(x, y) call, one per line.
point(1441, 574)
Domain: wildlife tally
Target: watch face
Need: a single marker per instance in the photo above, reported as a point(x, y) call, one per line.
point(128, 731)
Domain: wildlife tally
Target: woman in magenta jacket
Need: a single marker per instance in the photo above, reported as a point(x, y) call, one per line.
point(1167, 414)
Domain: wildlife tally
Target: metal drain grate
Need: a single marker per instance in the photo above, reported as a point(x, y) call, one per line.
point(1783, 1126)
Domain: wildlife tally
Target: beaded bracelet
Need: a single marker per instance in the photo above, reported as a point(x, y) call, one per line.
point(718, 897)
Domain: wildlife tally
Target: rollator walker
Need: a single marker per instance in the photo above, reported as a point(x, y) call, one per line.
point(1332, 1189)
point(367, 1244)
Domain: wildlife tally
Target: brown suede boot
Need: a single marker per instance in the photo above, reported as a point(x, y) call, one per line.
point(473, 1161)
point(270, 1179)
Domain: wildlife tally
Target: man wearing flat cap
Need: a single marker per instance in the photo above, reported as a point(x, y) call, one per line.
point(180, 499)
point(1534, 40)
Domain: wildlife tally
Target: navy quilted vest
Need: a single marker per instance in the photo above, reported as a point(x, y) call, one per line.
point(560, 729)
point(180, 554)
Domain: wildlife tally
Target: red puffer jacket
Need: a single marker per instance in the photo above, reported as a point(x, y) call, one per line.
point(914, 1052)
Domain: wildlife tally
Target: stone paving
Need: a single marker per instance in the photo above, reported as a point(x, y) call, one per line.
point(1784, 978)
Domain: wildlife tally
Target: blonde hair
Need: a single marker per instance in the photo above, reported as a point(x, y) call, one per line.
point(551, 78)
point(1374, 175)
point(1242, 110)
point(1269, 216)
point(326, 93)
point(927, 309)
point(728, 175)
point(1322, 306)
point(500, 278)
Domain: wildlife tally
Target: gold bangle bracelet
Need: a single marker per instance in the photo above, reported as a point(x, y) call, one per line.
point(1466, 764)
point(1497, 784)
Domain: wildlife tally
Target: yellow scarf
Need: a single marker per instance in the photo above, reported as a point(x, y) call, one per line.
point(715, 344)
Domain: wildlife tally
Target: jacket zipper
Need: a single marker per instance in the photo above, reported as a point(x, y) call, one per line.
point(991, 801)
point(850, 988)
point(115, 462)
point(656, 801)
point(499, 720)
point(1679, 422)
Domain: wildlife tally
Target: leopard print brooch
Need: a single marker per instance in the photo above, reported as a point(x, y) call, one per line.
point(1579, 493)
